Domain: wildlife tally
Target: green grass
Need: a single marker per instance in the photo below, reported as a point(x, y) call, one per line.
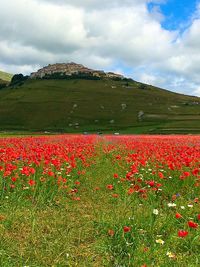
point(50, 105)
point(5, 76)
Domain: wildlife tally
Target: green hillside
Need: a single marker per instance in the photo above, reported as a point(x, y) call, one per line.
point(102, 105)
point(5, 76)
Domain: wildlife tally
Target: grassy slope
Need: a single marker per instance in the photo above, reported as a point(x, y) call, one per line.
point(5, 76)
point(49, 105)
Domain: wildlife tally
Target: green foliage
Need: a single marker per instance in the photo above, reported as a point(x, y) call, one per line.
point(18, 79)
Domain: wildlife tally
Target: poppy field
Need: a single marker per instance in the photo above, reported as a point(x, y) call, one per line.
point(88, 200)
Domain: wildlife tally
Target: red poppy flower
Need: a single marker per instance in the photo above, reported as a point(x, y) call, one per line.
point(31, 182)
point(178, 215)
point(195, 171)
point(151, 183)
point(76, 198)
point(7, 173)
point(182, 233)
point(115, 195)
point(14, 179)
point(198, 217)
point(186, 174)
point(110, 186)
point(130, 191)
point(136, 187)
point(154, 189)
point(126, 229)
point(50, 173)
point(192, 224)
point(32, 170)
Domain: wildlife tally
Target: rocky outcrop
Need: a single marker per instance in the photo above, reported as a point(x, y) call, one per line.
point(72, 68)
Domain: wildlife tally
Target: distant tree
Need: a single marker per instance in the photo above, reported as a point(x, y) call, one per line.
point(127, 80)
point(143, 86)
point(117, 79)
point(84, 76)
point(126, 84)
point(18, 79)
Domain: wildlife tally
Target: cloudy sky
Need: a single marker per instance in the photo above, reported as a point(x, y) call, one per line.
point(157, 42)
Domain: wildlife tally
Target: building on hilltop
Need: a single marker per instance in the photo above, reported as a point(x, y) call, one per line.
point(113, 75)
point(70, 69)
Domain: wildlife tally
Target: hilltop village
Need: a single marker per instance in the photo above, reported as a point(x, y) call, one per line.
point(70, 69)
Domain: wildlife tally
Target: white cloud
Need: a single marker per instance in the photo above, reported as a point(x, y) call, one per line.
point(100, 34)
point(103, 4)
point(197, 92)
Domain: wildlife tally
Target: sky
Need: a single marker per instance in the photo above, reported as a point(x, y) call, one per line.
point(156, 42)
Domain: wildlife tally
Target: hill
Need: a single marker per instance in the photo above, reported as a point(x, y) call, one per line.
point(5, 76)
point(79, 105)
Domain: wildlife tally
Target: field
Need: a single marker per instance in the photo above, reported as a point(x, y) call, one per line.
point(107, 106)
point(87, 200)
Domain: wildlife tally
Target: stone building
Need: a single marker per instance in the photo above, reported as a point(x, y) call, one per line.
point(70, 69)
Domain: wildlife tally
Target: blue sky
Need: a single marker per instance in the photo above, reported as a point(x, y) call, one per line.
point(177, 13)
point(153, 41)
